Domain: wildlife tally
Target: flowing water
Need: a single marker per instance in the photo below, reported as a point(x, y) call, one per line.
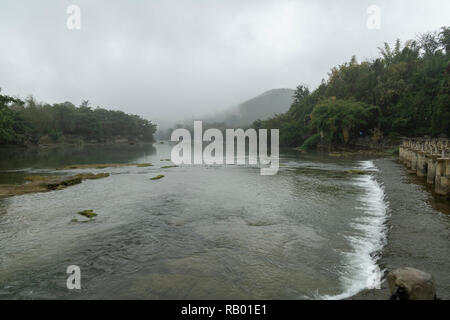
point(202, 232)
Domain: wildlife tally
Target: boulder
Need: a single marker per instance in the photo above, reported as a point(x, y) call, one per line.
point(411, 284)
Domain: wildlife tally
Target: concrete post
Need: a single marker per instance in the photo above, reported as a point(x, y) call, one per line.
point(428, 158)
point(442, 177)
point(413, 161)
point(431, 167)
point(422, 164)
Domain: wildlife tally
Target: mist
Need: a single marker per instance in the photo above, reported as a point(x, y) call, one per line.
point(172, 60)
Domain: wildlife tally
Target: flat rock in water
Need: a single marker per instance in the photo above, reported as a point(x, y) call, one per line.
point(88, 214)
point(47, 183)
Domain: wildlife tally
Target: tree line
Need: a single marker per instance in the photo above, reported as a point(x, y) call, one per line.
point(403, 92)
point(24, 122)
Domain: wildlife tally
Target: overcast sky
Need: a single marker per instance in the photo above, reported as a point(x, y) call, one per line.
point(167, 60)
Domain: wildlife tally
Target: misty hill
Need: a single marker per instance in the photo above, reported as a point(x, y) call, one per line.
point(262, 107)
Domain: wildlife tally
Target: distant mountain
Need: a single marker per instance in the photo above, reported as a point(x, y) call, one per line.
point(262, 107)
point(266, 105)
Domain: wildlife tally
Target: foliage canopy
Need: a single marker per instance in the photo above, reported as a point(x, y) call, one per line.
point(24, 122)
point(404, 92)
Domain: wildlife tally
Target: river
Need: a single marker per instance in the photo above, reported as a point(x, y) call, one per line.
point(313, 231)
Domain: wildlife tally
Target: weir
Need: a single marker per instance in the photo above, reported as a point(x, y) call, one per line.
point(428, 158)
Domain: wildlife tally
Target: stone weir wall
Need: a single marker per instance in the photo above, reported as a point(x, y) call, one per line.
point(428, 158)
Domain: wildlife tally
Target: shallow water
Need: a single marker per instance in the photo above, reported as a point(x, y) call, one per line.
point(204, 232)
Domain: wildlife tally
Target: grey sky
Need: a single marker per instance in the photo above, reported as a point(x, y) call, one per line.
point(167, 60)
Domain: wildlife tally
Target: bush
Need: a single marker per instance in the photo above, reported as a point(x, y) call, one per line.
point(341, 121)
point(311, 143)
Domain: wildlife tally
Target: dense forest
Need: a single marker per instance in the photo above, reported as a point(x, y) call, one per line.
point(404, 92)
point(28, 122)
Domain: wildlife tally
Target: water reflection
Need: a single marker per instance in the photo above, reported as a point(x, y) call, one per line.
point(14, 162)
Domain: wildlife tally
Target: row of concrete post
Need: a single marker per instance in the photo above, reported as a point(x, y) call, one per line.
point(428, 158)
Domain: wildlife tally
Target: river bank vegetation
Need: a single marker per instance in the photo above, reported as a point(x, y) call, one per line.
point(404, 92)
point(27, 122)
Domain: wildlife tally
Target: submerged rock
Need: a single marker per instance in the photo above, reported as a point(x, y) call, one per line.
point(157, 177)
point(168, 167)
point(144, 165)
point(359, 172)
point(88, 214)
point(62, 183)
point(87, 166)
point(47, 183)
point(86, 220)
point(92, 176)
point(39, 184)
point(104, 166)
point(38, 178)
point(8, 190)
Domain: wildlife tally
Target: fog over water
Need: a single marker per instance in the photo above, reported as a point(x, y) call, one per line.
point(171, 60)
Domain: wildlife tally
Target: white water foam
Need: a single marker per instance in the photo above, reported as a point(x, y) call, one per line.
point(361, 269)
